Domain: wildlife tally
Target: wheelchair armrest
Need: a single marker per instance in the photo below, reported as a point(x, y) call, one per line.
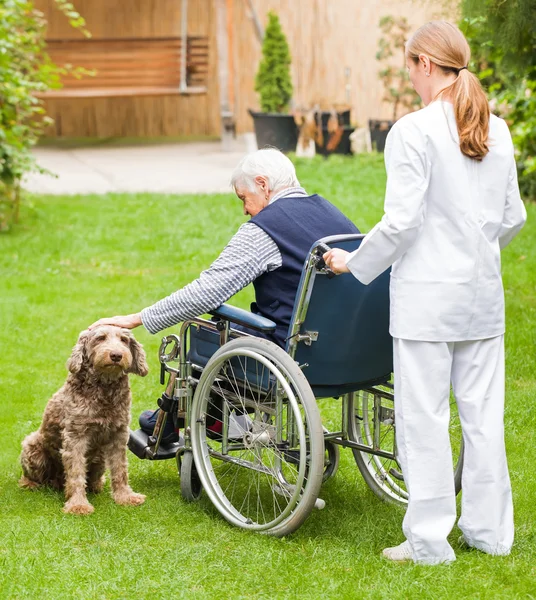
point(243, 317)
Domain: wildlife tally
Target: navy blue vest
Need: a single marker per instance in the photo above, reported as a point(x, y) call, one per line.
point(294, 223)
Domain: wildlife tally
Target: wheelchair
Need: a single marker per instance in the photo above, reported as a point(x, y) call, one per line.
point(253, 435)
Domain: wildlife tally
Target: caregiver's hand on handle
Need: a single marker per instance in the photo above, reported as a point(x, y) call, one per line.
point(335, 259)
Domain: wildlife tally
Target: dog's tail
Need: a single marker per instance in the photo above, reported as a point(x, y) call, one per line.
point(34, 461)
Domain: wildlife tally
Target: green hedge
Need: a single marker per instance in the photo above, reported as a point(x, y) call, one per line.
point(502, 36)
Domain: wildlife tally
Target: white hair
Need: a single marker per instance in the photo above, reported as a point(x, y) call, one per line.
point(268, 162)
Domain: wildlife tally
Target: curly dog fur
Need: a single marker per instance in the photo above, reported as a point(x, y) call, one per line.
point(85, 426)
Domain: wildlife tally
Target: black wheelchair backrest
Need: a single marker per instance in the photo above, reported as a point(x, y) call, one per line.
point(342, 342)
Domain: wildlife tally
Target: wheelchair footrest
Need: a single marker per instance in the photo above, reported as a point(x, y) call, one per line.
point(138, 444)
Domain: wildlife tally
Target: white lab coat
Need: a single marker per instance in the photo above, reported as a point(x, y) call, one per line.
point(446, 218)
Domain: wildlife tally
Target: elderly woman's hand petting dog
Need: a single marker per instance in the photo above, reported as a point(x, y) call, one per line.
point(85, 426)
point(335, 259)
point(127, 321)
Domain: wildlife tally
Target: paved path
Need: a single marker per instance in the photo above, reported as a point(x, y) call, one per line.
point(191, 167)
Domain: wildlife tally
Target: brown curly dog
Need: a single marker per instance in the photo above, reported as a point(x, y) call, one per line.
point(85, 427)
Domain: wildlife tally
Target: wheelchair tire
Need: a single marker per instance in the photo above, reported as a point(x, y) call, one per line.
point(384, 475)
point(265, 473)
point(191, 487)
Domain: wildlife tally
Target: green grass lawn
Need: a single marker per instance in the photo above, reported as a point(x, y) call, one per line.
point(75, 259)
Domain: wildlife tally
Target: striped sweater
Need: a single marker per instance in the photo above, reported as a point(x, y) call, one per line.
point(250, 253)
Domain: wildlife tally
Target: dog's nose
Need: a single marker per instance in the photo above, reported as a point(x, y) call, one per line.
point(116, 356)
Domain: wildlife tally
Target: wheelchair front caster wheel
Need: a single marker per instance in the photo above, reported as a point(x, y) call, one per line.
point(331, 460)
point(191, 486)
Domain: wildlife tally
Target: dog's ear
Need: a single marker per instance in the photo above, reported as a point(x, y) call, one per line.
point(139, 360)
point(78, 355)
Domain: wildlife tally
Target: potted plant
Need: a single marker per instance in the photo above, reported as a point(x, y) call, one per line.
point(398, 91)
point(273, 125)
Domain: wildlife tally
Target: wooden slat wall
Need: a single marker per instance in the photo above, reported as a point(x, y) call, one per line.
point(325, 37)
point(131, 63)
point(149, 116)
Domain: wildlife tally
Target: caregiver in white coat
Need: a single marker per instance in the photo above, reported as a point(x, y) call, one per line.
point(452, 203)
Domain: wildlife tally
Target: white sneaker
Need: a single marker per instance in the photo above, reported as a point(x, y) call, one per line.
point(464, 543)
point(399, 553)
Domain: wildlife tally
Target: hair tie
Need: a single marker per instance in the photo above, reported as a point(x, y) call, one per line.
point(462, 68)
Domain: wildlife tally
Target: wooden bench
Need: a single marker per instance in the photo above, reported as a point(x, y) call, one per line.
point(130, 67)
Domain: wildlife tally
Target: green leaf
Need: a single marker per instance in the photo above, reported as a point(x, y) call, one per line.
point(25, 68)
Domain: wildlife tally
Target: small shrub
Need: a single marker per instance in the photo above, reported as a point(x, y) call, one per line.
point(25, 68)
point(502, 37)
point(518, 107)
point(273, 81)
point(398, 90)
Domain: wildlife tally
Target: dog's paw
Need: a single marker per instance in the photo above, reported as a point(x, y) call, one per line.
point(78, 508)
point(131, 499)
point(28, 484)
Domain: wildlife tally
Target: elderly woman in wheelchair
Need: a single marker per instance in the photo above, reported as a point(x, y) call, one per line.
point(243, 385)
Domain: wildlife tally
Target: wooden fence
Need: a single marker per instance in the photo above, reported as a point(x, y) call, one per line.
point(143, 116)
point(333, 45)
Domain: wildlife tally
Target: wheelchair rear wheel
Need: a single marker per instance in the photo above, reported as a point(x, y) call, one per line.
point(372, 423)
point(257, 437)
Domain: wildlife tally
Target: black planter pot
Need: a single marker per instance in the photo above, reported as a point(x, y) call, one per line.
point(379, 128)
point(275, 130)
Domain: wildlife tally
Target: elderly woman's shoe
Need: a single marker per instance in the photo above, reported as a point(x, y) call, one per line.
point(399, 553)
point(147, 421)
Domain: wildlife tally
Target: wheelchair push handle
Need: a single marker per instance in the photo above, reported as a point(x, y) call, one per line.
point(319, 251)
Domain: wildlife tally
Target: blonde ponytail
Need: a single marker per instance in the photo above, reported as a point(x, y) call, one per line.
point(471, 110)
point(446, 46)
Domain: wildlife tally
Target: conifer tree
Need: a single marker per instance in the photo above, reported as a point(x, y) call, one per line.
point(273, 80)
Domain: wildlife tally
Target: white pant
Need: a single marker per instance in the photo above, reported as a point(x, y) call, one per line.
point(423, 372)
